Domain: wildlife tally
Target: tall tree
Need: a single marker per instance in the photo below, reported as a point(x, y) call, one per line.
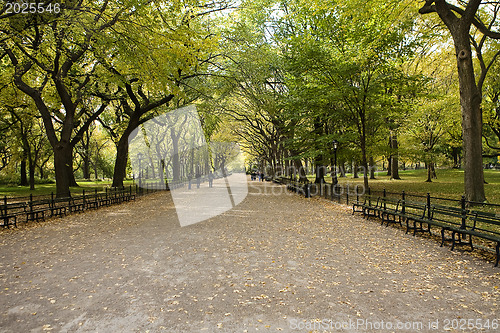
point(459, 19)
point(50, 54)
point(173, 52)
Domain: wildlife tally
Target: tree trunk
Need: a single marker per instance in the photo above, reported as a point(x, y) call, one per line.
point(86, 166)
point(429, 172)
point(389, 159)
point(24, 178)
point(372, 168)
point(31, 170)
point(355, 169)
point(69, 165)
point(394, 161)
point(364, 163)
point(470, 94)
point(342, 170)
point(320, 170)
point(61, 170)
point(300, 170)
point(120, 169)
point(470, 101)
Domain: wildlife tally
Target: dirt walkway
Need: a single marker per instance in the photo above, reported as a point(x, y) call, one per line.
point(277, 262)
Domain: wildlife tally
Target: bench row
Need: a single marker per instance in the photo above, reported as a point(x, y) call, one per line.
point(463, 224)
point(38, 210)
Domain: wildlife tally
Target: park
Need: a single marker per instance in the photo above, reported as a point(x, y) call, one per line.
point(240, 166)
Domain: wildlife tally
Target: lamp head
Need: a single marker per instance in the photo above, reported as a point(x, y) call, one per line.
point(335, 144)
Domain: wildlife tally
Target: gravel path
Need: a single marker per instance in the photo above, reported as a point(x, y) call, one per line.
point(276, 262)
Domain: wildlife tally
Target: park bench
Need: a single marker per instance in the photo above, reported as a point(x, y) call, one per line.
point(35, 210)
point(104, 200)
point(10, 211)
point(389, 207)
point(58, 206)
point(359, 204)
point(77, 203)
point(445, 217)
point(484, 225)
point(119, 195)
point(295, 187)
point(92, 201)
point(411, 211)
point(371, 206)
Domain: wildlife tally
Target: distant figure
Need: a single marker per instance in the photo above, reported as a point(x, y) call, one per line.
point(253, 175)
point(198, 179)
point(210, 179)
point(261, 176)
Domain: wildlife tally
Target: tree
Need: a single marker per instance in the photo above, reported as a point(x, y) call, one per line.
point(50, 54)
point(347, 59)
point(145, 88)
point(459, 19)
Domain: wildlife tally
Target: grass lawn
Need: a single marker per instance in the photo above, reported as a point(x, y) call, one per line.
point(45, 189)
point(449, 183)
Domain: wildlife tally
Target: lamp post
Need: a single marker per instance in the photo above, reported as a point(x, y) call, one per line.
point(140, 157)
point(335, 144)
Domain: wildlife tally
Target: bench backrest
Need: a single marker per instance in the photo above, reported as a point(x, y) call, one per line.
point(414, 208)
point(368, 199)
point(485, 221)
point(14, 207)
point(391, 203)
point(452, 215)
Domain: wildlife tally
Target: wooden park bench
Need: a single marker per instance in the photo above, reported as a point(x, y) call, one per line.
point(92, 201)
point(295, 187)
point(447, 218)
point(10, 211)
point(371, 206)
point(389, 207)
point(35, 210)
point(76, 204)
point(359, 203)
point(484, 225)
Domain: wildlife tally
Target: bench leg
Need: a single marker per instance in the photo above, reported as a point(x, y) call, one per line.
point(415, 228)
point(7, 221)
point(443, 239)
point(407, 221)
point(459, 241)
point(497, 248)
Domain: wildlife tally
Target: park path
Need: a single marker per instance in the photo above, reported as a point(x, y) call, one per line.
point(276, 262)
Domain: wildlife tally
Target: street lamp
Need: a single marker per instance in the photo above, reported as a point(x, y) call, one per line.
point(335, 144)
point(140, 156)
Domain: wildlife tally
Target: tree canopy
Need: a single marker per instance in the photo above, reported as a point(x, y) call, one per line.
point(283, 78)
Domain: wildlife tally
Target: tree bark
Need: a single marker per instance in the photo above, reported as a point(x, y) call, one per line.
point(394, 157)
point(60, 168)
point(355, 169)
point(31, 171)
point(320, 170)
point(69, 165)
point(24, 178)
point(120, 169)
point(372, 168)
point(470, 101)
point(470, 95)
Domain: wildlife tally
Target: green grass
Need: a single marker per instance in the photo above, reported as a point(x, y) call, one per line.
point(45, 189)
point(449, 183)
